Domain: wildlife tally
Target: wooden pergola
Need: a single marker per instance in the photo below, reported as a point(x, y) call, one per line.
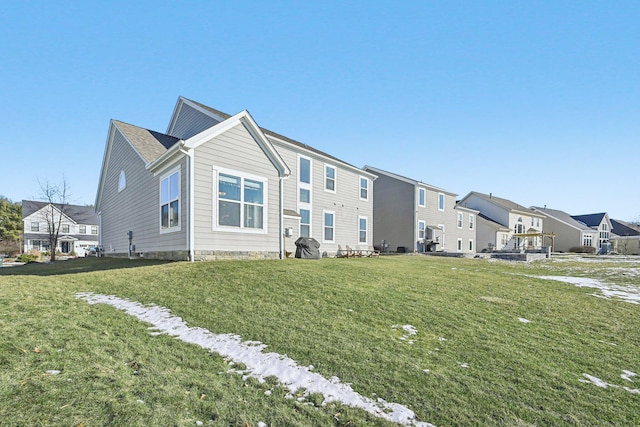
point(539, 234)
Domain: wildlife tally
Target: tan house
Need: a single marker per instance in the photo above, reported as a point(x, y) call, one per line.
point(499, 215)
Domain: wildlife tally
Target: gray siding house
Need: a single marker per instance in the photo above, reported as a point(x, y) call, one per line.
point(524, 225)
point(219, 186)
point(409, 215)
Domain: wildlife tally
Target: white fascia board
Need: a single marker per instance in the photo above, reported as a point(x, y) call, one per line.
point(176, 149)
point(245, 119)
point(466, 209)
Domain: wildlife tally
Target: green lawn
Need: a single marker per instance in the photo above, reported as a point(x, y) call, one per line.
point(473, 361)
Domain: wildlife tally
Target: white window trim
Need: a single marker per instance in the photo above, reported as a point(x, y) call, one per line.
point(324, 212)
point(305, 184)
point(335, 178)
point(471, 246)
point(459, 245)
point(422, 191)
point(472, 221)
point(265, 202)
point(122, 181)
point(368, 181)
point(444, 202)
point(424, 230)
point(366, 241)
point(165, 175)
point(460, 220)
point(300, 223)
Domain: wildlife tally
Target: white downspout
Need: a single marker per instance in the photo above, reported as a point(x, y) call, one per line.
point(281, 214)
point(190, 153)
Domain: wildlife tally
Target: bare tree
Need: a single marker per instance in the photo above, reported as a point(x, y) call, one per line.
point(57, 195)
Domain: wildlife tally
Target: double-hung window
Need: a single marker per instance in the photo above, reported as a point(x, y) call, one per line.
point(305, 223)
point(82, 229)
point(364, 188)
point(328, 234)
point(64, 228)
point(94, 229)
point(362, 229)
point(471, 219)
point(35, 226)
point(329, 178)
point(422, 197)
point(241, 202)
point(170, 201)
point(421, 229)
point(305, 196)
point(440, 201)
point(459, 219)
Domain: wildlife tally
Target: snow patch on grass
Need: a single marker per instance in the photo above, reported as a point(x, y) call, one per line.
point(523, 320)
point(590, 379)
point(626, 293)
point(409, 331)
point(258, 364)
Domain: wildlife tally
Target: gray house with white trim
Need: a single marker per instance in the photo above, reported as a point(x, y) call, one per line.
point(410, 215)
point(219, 186)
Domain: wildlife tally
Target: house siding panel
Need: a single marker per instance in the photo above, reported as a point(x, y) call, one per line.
point(393, 217)
point(191, 122)
point(344, 202)
point(234, 150)
point(137, 207)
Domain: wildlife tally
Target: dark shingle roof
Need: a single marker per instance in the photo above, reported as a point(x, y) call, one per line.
point(80, 214)
point(622, 228)
point(592, 220)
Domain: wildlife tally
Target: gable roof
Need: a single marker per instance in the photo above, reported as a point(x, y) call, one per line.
point(270, 134)
point(149, 144)
point(79, 214)
point(495, 224)
point(504, 203)
point(592, 220)
point(378, 171)
point(623, 228)
point(563, 217)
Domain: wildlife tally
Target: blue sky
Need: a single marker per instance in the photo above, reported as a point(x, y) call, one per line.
point(536, 102)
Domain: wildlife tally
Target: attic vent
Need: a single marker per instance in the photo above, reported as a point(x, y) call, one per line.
point(122, 181)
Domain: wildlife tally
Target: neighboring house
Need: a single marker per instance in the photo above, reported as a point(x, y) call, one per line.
point(491, 234)
point(600, 225)
point(219, 186)
point(625, 237)
point(569, 232)
point(498, 215)
point(77, 232)
point(409, 215)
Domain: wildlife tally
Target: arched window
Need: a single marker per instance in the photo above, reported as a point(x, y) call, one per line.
point(122, 181)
